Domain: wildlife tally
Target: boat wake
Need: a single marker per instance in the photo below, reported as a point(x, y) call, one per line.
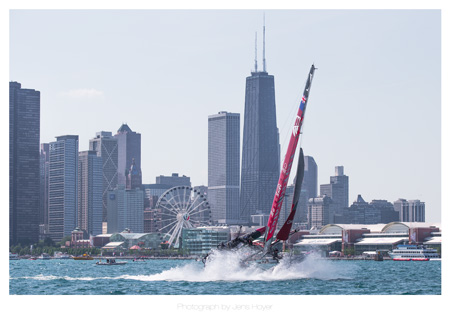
point(226, 266)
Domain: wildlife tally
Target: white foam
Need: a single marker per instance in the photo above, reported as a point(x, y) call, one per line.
point(226, 266)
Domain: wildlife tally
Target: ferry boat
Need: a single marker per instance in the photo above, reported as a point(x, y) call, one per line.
point(414, 253)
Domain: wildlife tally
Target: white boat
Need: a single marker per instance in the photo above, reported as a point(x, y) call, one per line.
point(44, 256)
point(13, 257)
point(61, 255)
point(414, 253)
point(110, 261)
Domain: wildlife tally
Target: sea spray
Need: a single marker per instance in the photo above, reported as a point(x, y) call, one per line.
point(228, 266)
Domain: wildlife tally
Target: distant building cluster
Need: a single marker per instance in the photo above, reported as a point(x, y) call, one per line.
point(56, 190)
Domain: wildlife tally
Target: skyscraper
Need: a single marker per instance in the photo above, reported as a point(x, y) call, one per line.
point(260, 146)
point(309, 190)
point(129, 149)
point(174, 180)
point(410, 211)
point(223, 167)
point(106, 147)
point(24, 176)
point(90, 186)
point(44, 171)
point(310, 177)
point(337, 190)
point(134, 177)
point(125, 210)
point(319, 213)
point(63, 187)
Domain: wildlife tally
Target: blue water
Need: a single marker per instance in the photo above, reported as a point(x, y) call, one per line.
point(224, 277)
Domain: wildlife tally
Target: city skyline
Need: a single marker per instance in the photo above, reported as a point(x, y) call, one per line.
point(363, 108)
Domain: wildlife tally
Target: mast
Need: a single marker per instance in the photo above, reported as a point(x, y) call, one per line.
point(287, 165)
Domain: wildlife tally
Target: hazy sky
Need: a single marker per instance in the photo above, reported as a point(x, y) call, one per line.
point(374, 107)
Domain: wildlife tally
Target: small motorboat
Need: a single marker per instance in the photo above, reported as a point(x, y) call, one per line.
point(84, 257)
point(110, 261)
point(139, 259)
point(44, 256)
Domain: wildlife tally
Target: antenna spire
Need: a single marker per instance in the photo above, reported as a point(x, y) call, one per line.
point(256, 57)
point(264, 42)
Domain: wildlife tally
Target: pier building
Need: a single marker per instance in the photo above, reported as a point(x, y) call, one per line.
point(355, 239)
point(126, 240)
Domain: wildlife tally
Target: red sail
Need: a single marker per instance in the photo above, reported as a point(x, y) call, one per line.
point(287, 165)
point(285, 230)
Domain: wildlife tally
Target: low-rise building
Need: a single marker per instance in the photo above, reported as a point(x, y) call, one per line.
point(125, 240)
point(202, 240)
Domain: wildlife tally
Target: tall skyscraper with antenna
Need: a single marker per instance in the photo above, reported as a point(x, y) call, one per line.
point(260, 146)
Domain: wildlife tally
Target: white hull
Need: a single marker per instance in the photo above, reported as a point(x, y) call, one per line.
point(413, 253)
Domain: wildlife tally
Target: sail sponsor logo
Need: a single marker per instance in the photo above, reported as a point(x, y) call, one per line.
point(289, 222)
point(272, 229)
point(296, 129)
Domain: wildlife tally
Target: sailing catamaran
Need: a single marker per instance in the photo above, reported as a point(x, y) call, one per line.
point(269, 250)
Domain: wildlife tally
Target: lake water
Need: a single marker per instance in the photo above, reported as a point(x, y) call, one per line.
point(224, 277)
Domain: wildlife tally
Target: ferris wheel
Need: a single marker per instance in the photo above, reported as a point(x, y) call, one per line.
point(179, 208)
